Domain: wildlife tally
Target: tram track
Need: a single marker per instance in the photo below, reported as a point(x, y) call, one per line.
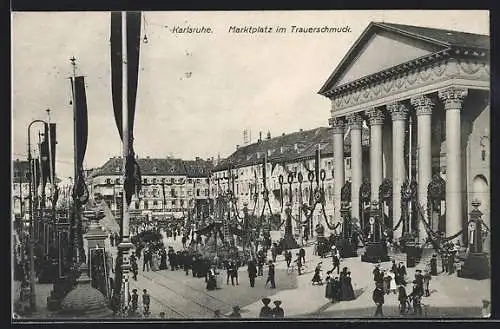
point(181, 295)
point(196, 290)
point(162, 302)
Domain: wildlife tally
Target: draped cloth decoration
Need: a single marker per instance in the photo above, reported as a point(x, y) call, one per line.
point(45, 165)
point(80, 190)
point(132, 182)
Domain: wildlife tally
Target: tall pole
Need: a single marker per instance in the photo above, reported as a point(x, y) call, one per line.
point(51, 169)
point(31, 234)
point(410, 219)
point(125, 244)
point(76, 204)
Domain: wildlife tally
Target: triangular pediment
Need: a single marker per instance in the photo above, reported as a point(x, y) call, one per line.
point(378, 49)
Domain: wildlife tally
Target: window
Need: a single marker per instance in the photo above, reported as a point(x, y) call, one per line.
point(137, 205)
point(108, 181)
point(197, 192)
point(155, 169)
point(182, 203)
point(163, 180)
point(154, 180)
point(117, 169)
point(145, 181)
point(155, 203)
point(117, 181)
point(146, 205)
point(206, 192)
point(190, 180)
point(348, 163)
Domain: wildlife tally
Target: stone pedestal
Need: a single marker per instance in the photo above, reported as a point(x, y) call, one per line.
point(347, 248)
point(476, 266)
point(346, 245)
point(376, 252)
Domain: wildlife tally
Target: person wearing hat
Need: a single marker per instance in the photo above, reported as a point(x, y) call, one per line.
point(434, 265)
point(236, 312)
point(217, 314)
point(134, 300)
point(146, 299)
point(335, 260)
point(416, 297)
point(270, 276)
point(378, 299)
point(252, 272)
point(402, 298)
point(419, 279)
point(278, 312)
point(486, 309)
point(266, 311)
point(426, 280)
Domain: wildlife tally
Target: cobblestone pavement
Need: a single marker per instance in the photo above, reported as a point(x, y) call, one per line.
point(181, 296)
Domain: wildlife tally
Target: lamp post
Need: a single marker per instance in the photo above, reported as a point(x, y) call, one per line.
point(31, 233)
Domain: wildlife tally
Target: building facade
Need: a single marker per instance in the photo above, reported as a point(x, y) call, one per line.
point(169, 186)
point(242, 173)
point(426, 103)
point(20, 189)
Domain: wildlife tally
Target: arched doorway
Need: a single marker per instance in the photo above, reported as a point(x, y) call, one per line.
point(481, 192)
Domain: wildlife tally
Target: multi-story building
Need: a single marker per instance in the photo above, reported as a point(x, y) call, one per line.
point(20, 189)
point(169, 186)
point(287, 153)
point(436, 84)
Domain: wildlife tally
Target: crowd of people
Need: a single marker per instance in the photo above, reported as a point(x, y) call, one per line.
point(395, 281)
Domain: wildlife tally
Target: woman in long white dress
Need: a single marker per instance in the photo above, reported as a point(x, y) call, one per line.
point(392, 286)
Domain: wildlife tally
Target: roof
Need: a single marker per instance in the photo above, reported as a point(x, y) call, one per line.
point(449, 38)
point(158, 167)
point(197, 168)
point(287, 148)
point(444, 42)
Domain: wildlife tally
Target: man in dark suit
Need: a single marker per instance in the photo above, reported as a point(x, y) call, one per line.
point(270, 276)
point(378, 299)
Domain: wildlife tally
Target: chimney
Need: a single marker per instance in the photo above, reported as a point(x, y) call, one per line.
point(260, 136)
point(198, 159)
point(283, 134)
point(237, 147)
point(268, 134)
point(301, 130)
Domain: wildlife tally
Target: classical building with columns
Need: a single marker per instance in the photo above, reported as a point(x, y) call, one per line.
point(424, 93)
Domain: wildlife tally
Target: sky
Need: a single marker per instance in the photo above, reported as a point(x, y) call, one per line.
point(196, 92)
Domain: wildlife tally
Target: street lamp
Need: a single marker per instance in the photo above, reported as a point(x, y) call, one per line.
point(31, 233)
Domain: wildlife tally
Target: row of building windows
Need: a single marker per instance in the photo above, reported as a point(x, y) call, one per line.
point(154, 181)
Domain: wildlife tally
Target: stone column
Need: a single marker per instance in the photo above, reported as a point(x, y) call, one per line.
point(453, 98)
point(355, 123)
point(423, 106)
point(399, 113)
point(375, 120)
point(338, 168)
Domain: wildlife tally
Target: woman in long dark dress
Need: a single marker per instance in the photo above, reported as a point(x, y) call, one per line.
point(329, 287)
point(349, 294)
point(163, 262)
point(211, 280)
point(337, 290)
point(317, 277)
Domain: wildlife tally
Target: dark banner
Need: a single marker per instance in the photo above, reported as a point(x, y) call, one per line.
point(132, 182)
point(133, 47)
point(44, 153)
point(317, 165)
point(80, 190)
point(36, 171)
point(81, 125)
